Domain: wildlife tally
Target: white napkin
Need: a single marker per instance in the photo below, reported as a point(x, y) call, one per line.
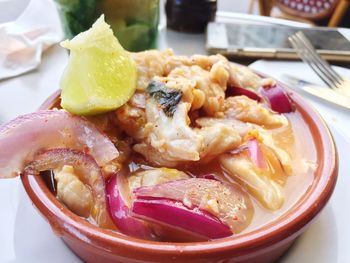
point(23, 41)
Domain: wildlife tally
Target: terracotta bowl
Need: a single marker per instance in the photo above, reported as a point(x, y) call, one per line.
point(265, 244)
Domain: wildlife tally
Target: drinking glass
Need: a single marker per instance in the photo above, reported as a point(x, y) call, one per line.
point(134, 22)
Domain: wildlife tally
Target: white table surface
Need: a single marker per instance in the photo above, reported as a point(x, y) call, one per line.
point(26, 237)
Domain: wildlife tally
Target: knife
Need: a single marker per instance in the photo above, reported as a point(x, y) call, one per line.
point(320, 92)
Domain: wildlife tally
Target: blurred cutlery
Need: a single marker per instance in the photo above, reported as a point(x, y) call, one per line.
point(320, 66)
point(323, 93)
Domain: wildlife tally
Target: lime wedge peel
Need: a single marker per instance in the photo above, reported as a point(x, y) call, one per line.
point(99, 31)
point(100, 75)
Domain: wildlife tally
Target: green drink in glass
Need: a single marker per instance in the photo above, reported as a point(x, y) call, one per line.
point(134, 22)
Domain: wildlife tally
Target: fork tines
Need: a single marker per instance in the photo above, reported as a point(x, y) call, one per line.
point(310, 56)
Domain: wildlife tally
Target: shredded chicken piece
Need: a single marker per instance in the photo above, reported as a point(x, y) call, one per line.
point(248, 110)
point(73, 192)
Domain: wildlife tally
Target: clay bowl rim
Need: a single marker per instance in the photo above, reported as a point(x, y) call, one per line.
point(290, 224)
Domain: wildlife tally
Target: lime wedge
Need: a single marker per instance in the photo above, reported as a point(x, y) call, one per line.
point(100, 75)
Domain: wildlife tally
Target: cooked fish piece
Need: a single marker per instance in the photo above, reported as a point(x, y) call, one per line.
point(248, 110)
point(131, 117)
point(237, 75)
point(150, 63)
point(153, 63)
point(205, 62)
point(283, 153)
point(212, 88)
point(241, 127)
point(190, 94)
point(244, 77)
point(218, 138)
point(73, 192)
point(263, 188)
point(169, 135)
point(169, 139)
point(155, 176)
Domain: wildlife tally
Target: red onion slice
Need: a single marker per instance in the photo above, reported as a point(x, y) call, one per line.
point(274, 165)
point(177, 215)
point(227, 202)
point(209, 177)
point(264, 158)
point(120, 212)
point(21, 138)
point(238, 91)
point(279, 100)
point(87, 170)
point(256, 154)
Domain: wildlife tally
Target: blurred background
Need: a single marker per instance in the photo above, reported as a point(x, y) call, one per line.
point(10, 9)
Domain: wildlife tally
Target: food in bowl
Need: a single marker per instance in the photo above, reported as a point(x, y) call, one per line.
point(164, 147)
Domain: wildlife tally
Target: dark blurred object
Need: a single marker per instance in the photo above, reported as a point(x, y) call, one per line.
point(190, 15)
point(320, 12)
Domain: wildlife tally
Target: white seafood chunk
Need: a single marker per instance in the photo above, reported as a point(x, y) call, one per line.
point(170, 140)
point(244, 77)
point(218, 138)
point(248, 110)
point(131, 117)
point(73, 192)
point(282, 153)
point(208, 83)
point(150, 63)
point(263, 188)
point(169, 137)
point(239, 126)
point(155, 176)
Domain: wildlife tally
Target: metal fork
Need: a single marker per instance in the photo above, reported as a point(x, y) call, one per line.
point(321, 67)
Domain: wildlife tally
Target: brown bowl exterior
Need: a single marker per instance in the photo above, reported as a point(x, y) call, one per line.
point(265, 244)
